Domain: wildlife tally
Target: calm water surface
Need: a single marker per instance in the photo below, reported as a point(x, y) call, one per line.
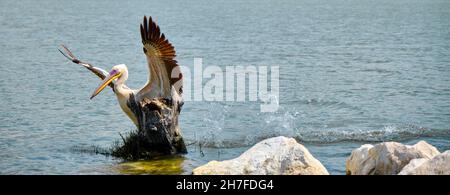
point(351, 72)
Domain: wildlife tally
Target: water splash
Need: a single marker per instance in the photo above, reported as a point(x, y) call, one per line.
point(388, 133)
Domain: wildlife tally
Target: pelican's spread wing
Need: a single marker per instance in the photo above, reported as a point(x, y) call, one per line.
point(164, 70)
point(102, 74)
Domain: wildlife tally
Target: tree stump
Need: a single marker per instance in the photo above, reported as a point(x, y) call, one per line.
point(158, 131)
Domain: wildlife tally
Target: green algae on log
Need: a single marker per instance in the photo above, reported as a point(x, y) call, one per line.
point(168, 165)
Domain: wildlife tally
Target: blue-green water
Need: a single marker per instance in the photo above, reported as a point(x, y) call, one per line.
point(351, 72)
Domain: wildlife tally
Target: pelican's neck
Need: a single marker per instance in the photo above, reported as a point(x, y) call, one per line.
point(119, 86)
point(123, 94)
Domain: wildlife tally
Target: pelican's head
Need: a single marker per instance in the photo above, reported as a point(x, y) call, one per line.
point(118, 74)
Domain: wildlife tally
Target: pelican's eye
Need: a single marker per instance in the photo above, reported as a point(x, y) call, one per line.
point(113, 72)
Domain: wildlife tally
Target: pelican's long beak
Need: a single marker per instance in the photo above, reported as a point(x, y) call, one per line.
point(112, 75)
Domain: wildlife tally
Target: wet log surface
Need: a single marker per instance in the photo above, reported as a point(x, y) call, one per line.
point(158, 131)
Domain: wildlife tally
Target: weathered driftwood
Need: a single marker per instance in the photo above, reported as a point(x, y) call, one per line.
point(158, 130)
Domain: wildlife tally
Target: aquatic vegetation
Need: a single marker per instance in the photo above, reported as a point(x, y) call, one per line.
point(130, 148)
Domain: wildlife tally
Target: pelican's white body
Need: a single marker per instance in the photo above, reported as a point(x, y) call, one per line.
point(122, 92)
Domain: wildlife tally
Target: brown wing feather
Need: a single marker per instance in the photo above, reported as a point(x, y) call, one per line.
point(97, 71)
point(157, 46)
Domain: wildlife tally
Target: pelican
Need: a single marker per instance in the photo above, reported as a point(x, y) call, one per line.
point(164, 80)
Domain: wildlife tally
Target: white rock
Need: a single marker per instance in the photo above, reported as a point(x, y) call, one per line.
point(438, 165)
point(273, 156)
point(386, 158)
point(414, 163)
point(359, 161)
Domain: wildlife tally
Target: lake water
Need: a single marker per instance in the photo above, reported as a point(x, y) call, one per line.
point(351, 72)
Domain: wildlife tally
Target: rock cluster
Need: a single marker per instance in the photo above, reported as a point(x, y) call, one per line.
point(387, 158)
point(284, 156)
